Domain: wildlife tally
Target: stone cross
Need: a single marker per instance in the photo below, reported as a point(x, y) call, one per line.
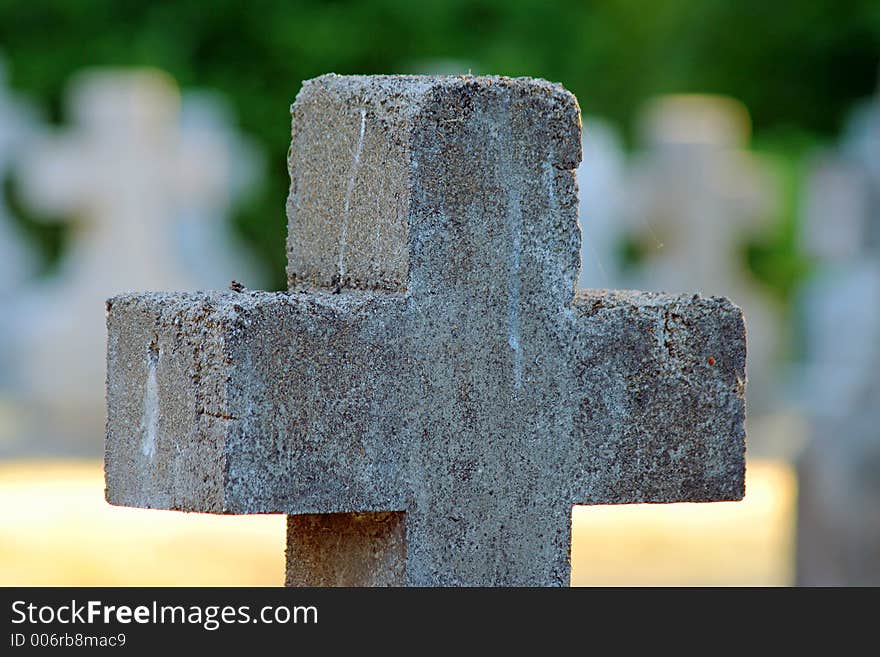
point(431, 396)
point(123, 173)
point(838, 527)
point(16, 261)
point(840, 357)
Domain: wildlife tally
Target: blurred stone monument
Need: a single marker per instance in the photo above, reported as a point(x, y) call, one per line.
point(838, 537)
point(696, 195)
point(17, 260)
point(132, 170)
point(205, 242)
point(600, 179)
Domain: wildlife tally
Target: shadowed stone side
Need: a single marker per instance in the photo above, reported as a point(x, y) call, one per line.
point(346, 549)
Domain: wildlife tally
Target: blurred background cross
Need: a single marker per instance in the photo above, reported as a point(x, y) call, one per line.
point(126, 175)
point(17, 263)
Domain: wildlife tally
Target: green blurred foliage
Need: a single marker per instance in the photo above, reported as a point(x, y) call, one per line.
point(796, 65)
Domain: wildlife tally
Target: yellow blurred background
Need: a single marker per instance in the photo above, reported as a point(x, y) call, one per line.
point(56, 530)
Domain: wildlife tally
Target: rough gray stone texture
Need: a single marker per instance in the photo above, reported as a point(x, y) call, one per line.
point(456, 377)
point(392, 177)
point(323, 403)
point(346, 549)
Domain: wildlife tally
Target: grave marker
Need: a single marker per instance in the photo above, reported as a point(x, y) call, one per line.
point(432, 396)
point(838, 535)
point(17, 261)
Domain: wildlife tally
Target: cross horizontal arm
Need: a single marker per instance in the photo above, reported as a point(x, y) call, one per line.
point(263, 402)
point(660, 393)
point(253, 402)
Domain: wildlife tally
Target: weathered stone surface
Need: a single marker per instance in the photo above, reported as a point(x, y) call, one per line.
point(395, 178)
point(454, 377)
point(323, 403)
